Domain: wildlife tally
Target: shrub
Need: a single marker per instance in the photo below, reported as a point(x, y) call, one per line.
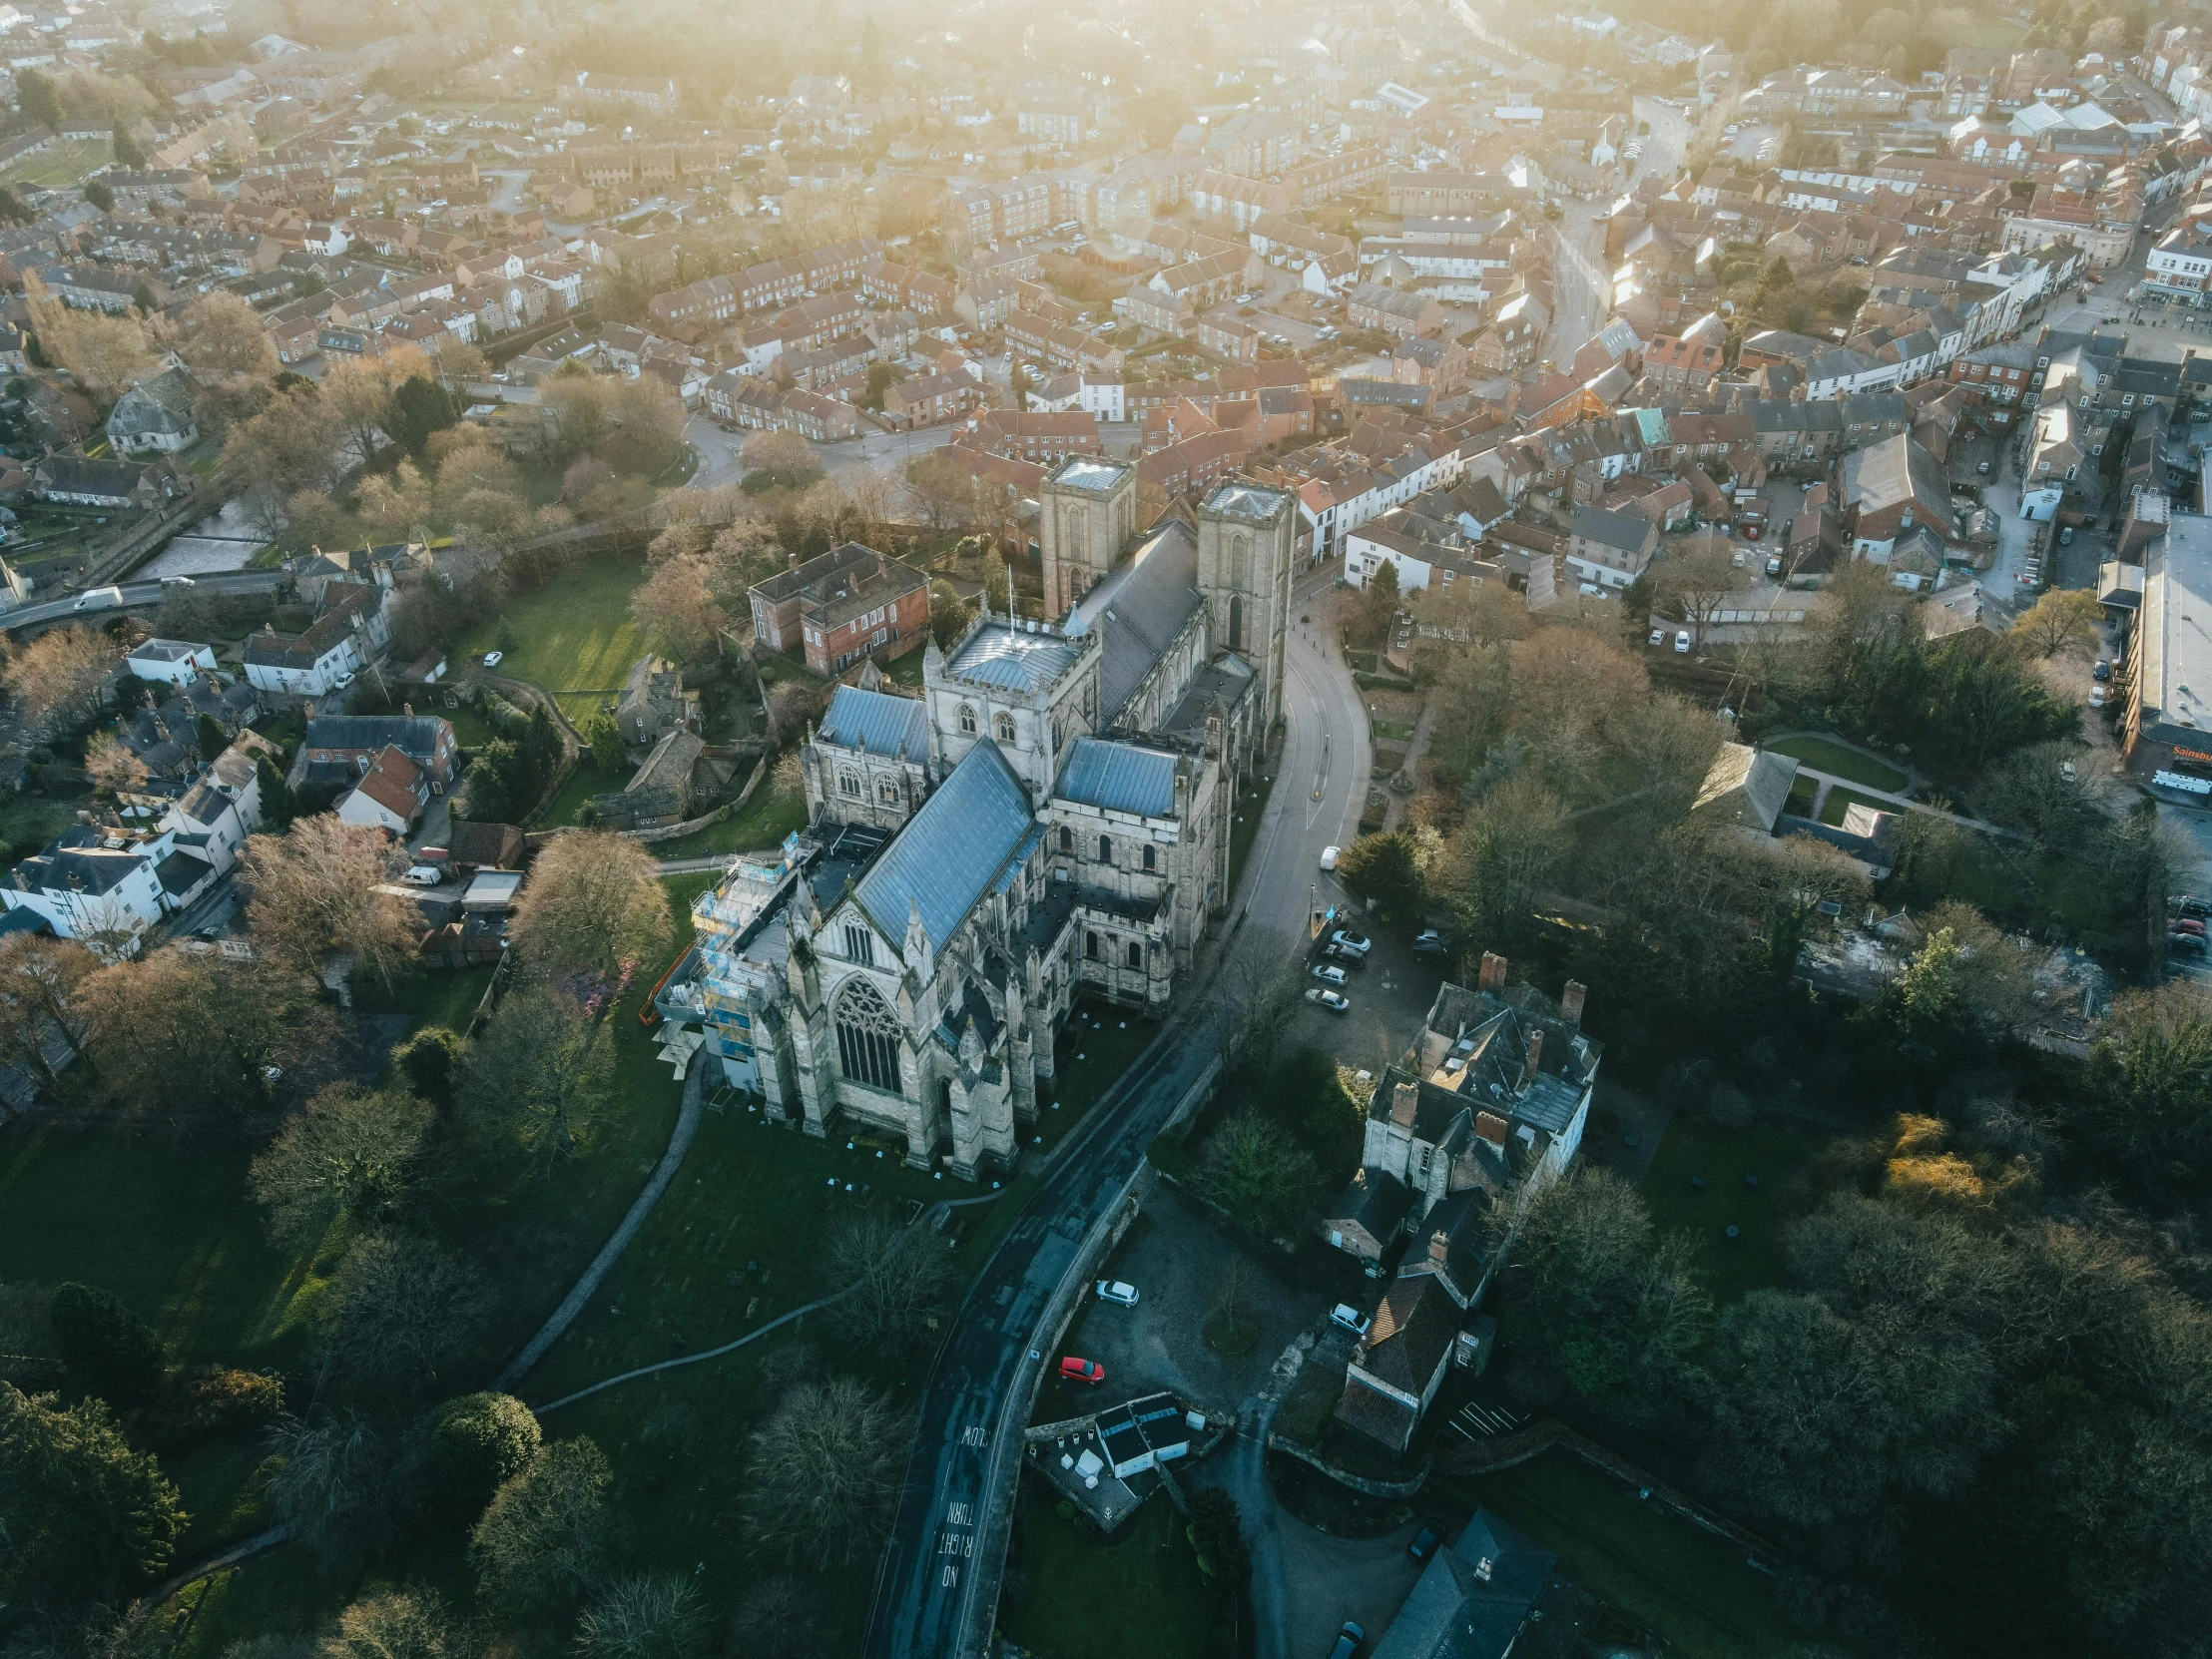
point(428, 1062)
point(200, 1403)
point(108, 1349)
point(477, 1444)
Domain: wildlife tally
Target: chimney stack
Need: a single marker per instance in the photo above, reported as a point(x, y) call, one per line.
point(1535, 1056)
point(1439, 1247)
point(407, 709)
point(1490, 1127)
point(1493, 973)
point(1570, 1003)
point(1405, 1102)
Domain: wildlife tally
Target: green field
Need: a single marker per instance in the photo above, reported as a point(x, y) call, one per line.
point(762, 821)
point(1840, 799)
point(583, 783)
point(1723, 1156)
point(1089, 1600)
point(572, 635)
point(1245, 829)
point(1693, 1588)
point(61, 165)
point(1842, 761)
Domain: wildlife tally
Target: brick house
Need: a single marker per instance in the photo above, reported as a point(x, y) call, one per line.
point(850, 603)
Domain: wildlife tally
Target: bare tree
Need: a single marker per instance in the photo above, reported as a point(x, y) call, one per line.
point(111, 765)
point(766, 451)
point(347, 1151)
point(1699, 580)
point(42, 1013)
point(315, 890)
point(404, 1308)
point(57, 676)
point(595, 906)
point(676, 610)
point(397, 1624)
point(824, 1472)
point(643, 1615)
point(548, 1532)
point(1257, 997)
point(2063, 620)
point(104, 355)
point(220, 339)
point(899, 1287)
point(176, 1030)
point(538, 1076)
point(331, 1484)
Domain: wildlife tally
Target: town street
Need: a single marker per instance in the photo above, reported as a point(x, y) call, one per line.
point(988, 1367)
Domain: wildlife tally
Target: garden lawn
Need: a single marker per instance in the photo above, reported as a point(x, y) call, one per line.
point(1089, 1600)
point(1842, 761)
point(62, 165)
point(1723, 1157)
point(762, 821)
point(1842, 798)
point(2021, 889)
point(586, 782)
point(1692, 1588)
point(572, 635)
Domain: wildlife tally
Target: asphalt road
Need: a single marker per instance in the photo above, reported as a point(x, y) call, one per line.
point(140, 593)
point(983, 1370)
point(883, 451)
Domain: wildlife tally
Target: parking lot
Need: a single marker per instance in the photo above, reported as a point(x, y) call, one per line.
point(1179, 1263)
point(1390, 993)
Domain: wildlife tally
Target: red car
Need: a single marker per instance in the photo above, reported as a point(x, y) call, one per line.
point(1751, 532)
point(1081, 1371)
point(2186, 925)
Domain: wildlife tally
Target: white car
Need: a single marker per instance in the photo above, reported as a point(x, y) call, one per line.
point(1329, 857)
point(1658, 637)
point(1114, 1290)
point(423, 875)
point(1335, 1001)
point(1328, 974)
point(344, 681)
point(1682, 641)
point(492, 658)
point(1348, 1318)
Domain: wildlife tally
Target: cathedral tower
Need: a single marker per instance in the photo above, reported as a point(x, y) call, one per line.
point(1246, 541)
point(1089, 514)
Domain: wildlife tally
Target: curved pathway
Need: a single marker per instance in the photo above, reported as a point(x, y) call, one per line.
point(679, 1143)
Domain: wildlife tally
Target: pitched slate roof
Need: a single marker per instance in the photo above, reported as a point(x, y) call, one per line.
point(1137, 610)
point(876, 723)
point(1472, 1600)
point(952, 852)
point(1117, 776)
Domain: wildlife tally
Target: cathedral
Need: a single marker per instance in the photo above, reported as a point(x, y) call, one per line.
point(1050, 818)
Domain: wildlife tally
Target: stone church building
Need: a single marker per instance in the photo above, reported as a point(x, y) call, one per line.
point(1050, 818)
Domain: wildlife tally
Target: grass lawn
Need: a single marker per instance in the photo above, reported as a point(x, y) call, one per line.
point(583, 783)
point(2032, 891)
point(766, 818)
point(1088, 1600)
point(572, 635)
point(1107, 1039)
point(61, 165)
point(1842, 761)
point(906, 671)
point(1802, 792)
point(1393, 731)
point(1840, 799)
point(1723, 1156)
point(446, 997)
point(1693, 1589)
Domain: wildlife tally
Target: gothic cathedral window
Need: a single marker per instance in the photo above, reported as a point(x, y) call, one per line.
point(968, 717)
point(1002, 728)
point(867, 1036)
point(1236, 622)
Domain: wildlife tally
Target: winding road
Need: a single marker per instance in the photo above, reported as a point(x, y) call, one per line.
point(935, 1565)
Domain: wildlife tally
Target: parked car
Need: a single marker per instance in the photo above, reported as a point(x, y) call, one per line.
point(1984, 468)
point(1337, 953)
point(2102, 672)
point(1658, 637)
point(1329, 857)
point(1081, 1371)
point(1751, 532)
point(1428, 943)
point(1347, 1641)
point(1358, 942)
point(1682, 642)
point(1117, 1291)
point(2065, 536)
point(344, 681)
point(423, 875)
point(1431, 1534)
point(2186, 925)
point(1328, 975)
point(2189, 944)
point(1348, 1318)
point(492, 659)
point(1335, 1001)
point(1774, 564)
